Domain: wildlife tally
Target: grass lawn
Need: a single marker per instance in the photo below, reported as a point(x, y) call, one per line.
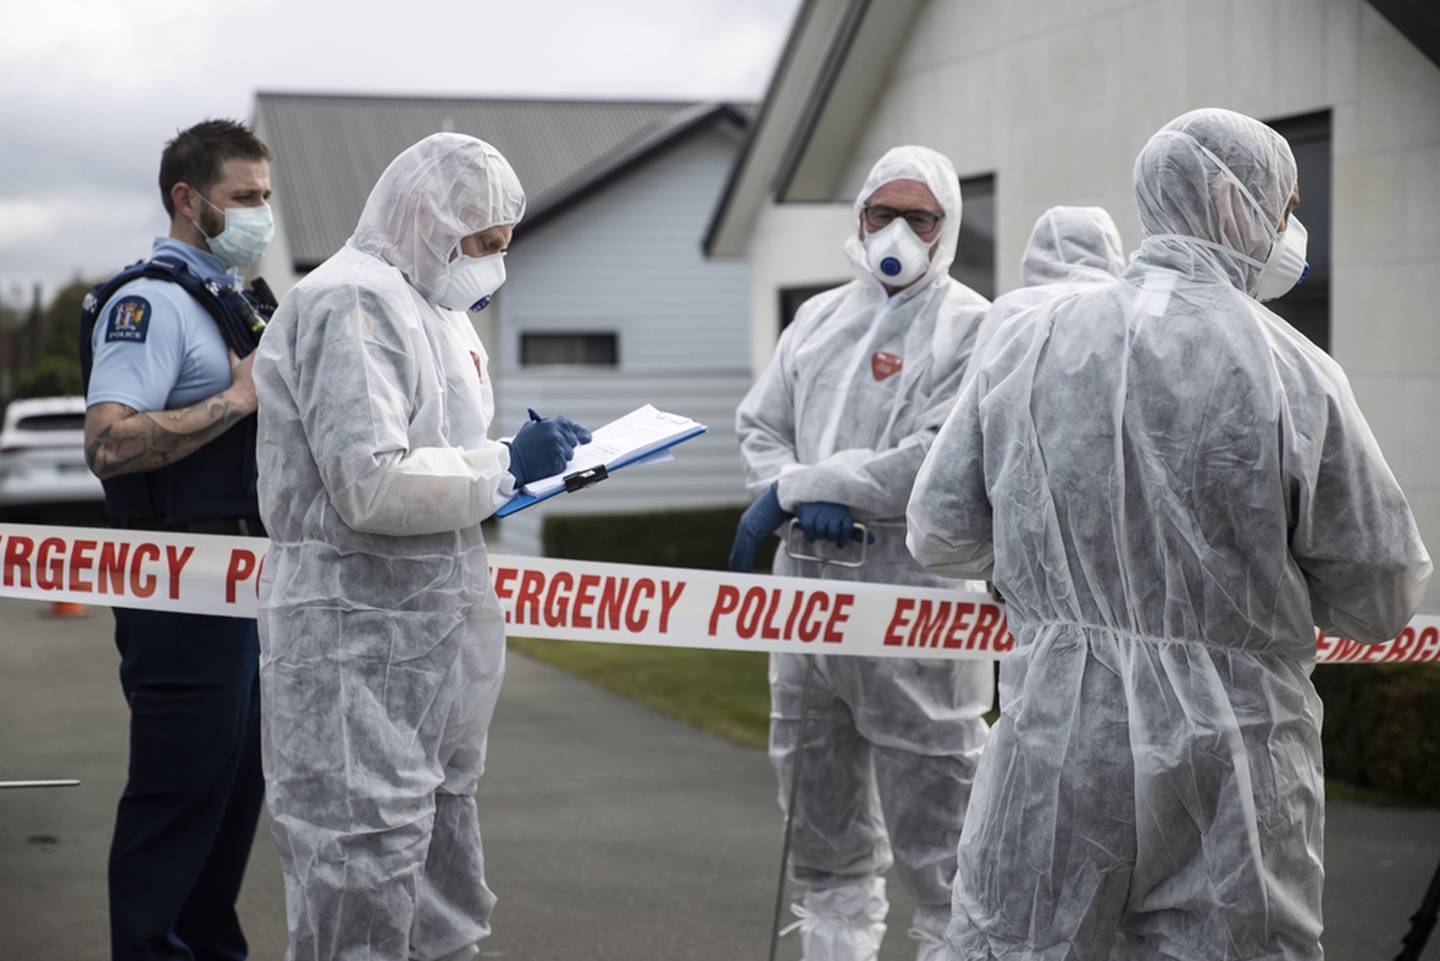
point(1360, 794)
point(726, 693)
point(723, 692)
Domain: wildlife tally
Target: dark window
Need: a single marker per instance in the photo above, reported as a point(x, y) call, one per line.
point(570, 350)
point(1307, 306)
point(975, 252)
point(792, 297)
point(51, 422)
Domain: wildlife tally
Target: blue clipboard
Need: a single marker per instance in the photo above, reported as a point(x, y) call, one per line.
point(581, 480)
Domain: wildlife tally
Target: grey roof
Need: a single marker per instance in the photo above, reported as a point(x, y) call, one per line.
point(330, 149)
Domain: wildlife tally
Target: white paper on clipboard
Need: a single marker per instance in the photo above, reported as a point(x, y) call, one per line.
point(644, 435)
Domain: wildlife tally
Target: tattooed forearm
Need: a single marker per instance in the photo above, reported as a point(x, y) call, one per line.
point(143, 441)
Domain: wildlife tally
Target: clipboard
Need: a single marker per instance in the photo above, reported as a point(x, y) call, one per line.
point(582, 479)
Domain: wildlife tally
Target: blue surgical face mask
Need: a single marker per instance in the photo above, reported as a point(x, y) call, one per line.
point(247, 232)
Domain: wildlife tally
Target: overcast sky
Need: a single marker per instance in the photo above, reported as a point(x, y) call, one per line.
point(90, 90)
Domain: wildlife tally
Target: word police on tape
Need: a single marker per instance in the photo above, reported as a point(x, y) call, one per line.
point(581, 600)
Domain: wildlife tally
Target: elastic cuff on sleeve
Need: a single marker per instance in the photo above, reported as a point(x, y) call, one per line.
point(507, 488)
point(786, 493)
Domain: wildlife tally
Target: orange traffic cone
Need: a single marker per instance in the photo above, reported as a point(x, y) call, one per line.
point(68, 609)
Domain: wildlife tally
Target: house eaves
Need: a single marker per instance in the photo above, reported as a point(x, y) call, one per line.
point(850, 88)
point(747, 188)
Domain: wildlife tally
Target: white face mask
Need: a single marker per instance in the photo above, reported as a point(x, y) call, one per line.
point(470, 282)
point(247, 232)
point(895, 255)
point(1286, 266)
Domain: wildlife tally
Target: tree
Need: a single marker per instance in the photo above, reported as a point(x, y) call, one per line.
point(61, 321)
point(52, 377)
point(56, 371)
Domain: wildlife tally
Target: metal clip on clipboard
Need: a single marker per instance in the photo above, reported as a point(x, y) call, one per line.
point(582, 479)
point(799, 553)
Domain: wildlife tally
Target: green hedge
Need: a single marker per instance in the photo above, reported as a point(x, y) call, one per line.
point(1382, 721)
point(695, 538)
point(1382, 727)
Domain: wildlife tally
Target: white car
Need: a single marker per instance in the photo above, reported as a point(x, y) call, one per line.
point(42, 454)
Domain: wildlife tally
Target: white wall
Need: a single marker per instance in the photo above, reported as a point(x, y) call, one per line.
point(794, 245)
point(1057, 99)
point(629, 260)
point(1386, 279)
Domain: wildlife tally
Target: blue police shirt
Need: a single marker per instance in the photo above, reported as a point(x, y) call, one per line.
point(156, 347)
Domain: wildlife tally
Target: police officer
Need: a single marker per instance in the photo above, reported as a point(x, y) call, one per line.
point(170, 431)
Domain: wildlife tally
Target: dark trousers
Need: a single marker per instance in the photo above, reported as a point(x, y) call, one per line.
point(187, 817)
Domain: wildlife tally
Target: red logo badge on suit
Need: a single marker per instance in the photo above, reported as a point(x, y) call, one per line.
point(884, 364)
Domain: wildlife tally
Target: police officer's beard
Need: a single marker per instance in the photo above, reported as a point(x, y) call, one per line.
point(210, 223)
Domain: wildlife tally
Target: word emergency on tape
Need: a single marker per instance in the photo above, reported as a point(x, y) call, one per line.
point(583, 600)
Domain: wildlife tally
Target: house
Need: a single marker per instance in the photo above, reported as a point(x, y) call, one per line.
point(609, 301)
point(1047, 103)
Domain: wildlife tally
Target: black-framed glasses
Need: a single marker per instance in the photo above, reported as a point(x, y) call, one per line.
point(921, 221)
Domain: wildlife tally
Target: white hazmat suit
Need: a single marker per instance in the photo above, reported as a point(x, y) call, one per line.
point(845, 412)
point(382, 645)
point(1171, 486)
point(1069, 247)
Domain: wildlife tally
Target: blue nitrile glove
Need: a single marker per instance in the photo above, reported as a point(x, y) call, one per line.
point(759, 521)
point(541, 448)
point(824, 521)
point(581, 434)
point(578, 435)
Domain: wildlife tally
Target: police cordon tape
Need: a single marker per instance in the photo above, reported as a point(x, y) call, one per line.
point(582, 600)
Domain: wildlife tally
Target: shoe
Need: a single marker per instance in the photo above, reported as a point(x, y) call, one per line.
point(842, 923)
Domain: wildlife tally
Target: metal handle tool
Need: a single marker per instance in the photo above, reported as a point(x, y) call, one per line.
point(800, 553)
